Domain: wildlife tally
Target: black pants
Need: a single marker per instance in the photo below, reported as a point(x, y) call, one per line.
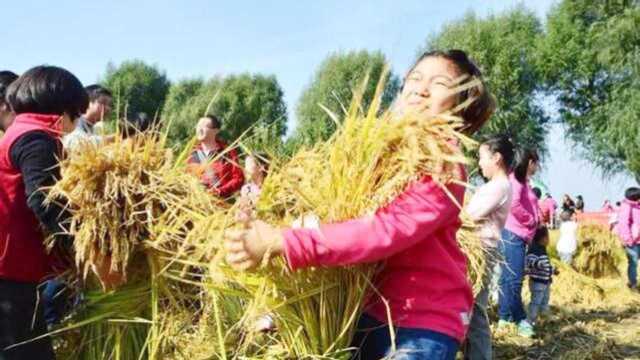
point(21, 319)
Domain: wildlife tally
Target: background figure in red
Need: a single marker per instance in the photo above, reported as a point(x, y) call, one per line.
point(216, 167)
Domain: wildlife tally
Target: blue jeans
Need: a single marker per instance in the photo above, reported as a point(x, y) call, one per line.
point(633, 253)
point(539, 299)
point(513, 251)
point(55, 299)
point(374, 342)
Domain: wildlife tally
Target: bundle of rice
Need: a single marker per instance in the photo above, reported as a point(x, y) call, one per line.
point(599, 252)
point(369, 161)
point(133, 204)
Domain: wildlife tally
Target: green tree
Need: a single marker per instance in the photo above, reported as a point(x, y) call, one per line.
point(504, 46)
point(333, 85)
point(590, 60)
point(242, 102)
point(137, 87)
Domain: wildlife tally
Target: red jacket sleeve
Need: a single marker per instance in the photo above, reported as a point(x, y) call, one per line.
point(234, 178)
point(421, 210)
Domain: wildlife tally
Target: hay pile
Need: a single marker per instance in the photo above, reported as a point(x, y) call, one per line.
point(599, 252)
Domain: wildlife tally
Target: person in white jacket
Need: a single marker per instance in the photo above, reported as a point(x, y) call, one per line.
point(568, 241)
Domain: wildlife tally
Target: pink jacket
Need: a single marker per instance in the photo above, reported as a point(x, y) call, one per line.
point(425, 274)
point(629, 222)
point(524, 217)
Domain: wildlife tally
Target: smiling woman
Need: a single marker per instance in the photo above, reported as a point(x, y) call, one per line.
point(423, 286)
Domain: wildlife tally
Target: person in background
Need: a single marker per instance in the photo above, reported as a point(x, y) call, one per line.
point(629, 232)
point(100, 102)
point(579, 204)
point(215, 165)
point(522, 222)
point(255, 170)
point(540, 272)
point(568, 241)
point(549, 207)
point(568, 204)
point(6, 114)
point(607, 207)
point(489, 207)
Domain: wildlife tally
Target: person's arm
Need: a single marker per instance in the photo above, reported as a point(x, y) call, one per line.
point(485, 201)
point(235, 179)
point(414, 215)
point(35, 154)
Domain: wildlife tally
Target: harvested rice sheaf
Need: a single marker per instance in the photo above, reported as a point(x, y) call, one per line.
point(132, 202)
point(120, 193)
point(599, 252)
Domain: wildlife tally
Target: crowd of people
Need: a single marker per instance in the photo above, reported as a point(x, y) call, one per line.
point(46, 112)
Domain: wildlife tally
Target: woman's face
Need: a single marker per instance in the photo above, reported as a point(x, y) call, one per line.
point(427, 87)
point(489, 162)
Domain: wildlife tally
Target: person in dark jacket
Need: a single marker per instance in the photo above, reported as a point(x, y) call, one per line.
point(46, 101)
point(540, 271)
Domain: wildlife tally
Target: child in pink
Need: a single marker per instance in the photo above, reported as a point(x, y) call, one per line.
point(424, 278)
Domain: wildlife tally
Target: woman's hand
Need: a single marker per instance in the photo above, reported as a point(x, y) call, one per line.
point(247, 248)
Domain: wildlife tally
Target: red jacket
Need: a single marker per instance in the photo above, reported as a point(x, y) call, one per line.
point(425, 275)
point(223, 176)
point(22, 251)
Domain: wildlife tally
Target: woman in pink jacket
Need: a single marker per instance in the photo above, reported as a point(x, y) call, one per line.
point(629, 232)
point(522, 222)
point(425, 275)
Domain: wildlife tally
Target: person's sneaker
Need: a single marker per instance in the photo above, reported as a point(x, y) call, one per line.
point(503, 324)
point(525, 329)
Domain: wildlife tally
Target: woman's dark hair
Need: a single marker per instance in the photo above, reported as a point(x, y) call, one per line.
point(503, 146)
point(215, 122)
point(478, 103)
point(521, 163)
point(541, 234)
point(95, 91)
point(566, 215)
point(632, 193)
point(48, 90)
point(6, 78)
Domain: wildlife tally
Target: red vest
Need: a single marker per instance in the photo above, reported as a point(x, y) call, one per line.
point(22, 252)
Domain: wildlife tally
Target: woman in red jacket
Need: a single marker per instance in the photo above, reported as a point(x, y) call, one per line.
point(425, 275)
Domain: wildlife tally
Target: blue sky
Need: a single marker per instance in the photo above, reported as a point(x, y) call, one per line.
point(286, 38)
